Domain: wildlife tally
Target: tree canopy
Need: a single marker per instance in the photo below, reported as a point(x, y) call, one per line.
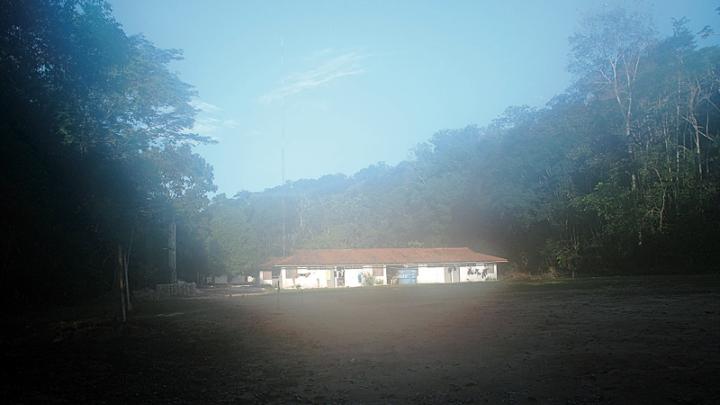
point(97, 148)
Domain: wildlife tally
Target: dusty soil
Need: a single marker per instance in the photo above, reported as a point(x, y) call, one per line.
point(616, 340)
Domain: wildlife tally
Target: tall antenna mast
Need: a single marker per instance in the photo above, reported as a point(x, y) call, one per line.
point(282, 145)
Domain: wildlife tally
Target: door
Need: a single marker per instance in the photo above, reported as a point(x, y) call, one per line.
point(407, 275)
point(340, 276)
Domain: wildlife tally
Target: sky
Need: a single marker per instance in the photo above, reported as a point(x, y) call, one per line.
point(340, 85)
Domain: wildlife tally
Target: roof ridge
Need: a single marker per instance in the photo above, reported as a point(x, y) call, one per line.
point(404, 248)
point(386, 255)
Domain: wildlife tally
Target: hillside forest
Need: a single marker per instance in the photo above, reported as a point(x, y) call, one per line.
point(618, 174)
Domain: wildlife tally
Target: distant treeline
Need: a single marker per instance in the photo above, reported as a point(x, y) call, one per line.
point(618, 174)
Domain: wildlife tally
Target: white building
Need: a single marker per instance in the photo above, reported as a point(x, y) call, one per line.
point(322, 268)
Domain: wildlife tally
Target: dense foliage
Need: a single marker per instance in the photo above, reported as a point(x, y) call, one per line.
point(620, 173)
point(96, 156)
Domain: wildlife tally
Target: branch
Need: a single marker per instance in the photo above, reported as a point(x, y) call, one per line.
point(697, 128)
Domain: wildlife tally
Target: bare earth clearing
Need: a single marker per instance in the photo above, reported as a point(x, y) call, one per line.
point(627, 340)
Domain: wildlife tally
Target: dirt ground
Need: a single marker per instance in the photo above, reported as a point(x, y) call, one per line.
point(611, 340)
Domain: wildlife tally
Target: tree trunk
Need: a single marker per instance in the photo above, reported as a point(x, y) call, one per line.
point(121, 284)
point(126, 264)
point(698, 152)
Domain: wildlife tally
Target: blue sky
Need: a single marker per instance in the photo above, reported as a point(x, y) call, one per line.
point(352, 83)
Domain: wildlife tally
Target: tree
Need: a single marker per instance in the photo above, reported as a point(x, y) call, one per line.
point(607, 52)
point(97, 148)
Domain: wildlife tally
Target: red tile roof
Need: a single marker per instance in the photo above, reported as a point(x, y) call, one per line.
point(323, 257)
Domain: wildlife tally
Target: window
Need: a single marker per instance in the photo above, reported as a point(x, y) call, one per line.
point(291, 273)
point(378, 272)
point(267, 275)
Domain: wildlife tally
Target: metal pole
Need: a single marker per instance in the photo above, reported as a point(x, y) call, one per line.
point(172, 264)
point(282, 148)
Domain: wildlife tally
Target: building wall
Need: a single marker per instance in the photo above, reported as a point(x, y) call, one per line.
point(492, 271)
point(428, 275)
point(384, 276)
point(461, 274)
point(354, 276)
point(324, 278)
point(470, 274)
point(305, 278)
point(378, 279)
point(265, 277)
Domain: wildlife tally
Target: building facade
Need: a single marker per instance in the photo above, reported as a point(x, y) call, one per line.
point(330, 268)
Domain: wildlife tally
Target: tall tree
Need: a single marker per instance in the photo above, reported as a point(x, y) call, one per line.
point(96, 145)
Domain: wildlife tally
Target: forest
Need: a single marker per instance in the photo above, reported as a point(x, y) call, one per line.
point(618, 174)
